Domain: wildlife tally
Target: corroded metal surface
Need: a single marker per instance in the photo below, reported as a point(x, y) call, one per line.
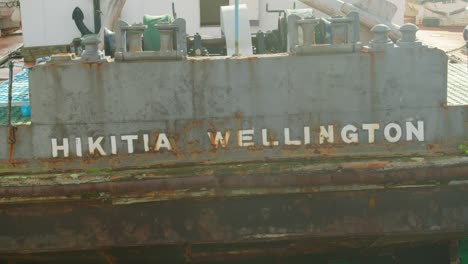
point(285, 177)
point(125, 115)
point(375, 203)
point(431, 213)
point(285, 251)
point(237, 151)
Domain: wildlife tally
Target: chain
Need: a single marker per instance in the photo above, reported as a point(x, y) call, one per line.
point(14, 3)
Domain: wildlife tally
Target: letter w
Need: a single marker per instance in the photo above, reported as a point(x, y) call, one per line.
point(219, 139)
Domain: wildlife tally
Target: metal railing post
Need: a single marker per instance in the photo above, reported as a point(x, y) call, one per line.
point(236, 12)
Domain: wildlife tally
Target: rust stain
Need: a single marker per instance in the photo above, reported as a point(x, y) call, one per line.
point(11, 152)
point(364, 165)
point(11, 141)
point(326, 150)
point(267, 180)
point(224, 140)
point(372, 202)
point(109, 259)
point(188, 253)
point(34, 210)
point(238, 119)
point(176, 151)
point(197, 122)
point(238, 115)
point(377, 165)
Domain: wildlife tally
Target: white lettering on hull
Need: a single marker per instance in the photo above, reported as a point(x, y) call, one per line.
point(371, 128)
point(96, 145)
point(266, 142)
point(418, 132)
point(245, 138)
point(327, 135)
point(368, 133)
point(219, 139)
point(392, 132)
point(349, 134)
point(56, 148)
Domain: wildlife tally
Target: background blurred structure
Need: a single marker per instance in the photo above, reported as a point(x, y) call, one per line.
point(437, 13)
point(10, 15)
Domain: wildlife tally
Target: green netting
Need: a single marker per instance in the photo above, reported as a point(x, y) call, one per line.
point(151, 35)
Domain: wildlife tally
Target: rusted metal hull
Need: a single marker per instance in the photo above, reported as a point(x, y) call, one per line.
point(288, 251)
point(360, 221)
point(231, 158)
point(210, 213)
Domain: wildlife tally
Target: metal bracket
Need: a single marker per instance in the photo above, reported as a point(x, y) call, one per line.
point(268, 10)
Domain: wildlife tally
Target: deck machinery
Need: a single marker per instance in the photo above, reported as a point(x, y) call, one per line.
point(328, 148)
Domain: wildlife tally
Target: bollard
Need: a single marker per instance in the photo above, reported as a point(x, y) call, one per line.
point(134, 34)
point(293, 32)
point(340, 33)
point(167, 40)
point(381, 41)
point(121, 36)
point(308, 31)
point(408, 33)
point(308, 27)
point(92, 54)
point(167, 32)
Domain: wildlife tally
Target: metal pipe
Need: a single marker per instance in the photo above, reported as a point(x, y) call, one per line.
point(11, 129)
point(280, 12)
point(10, 90)
point(236, 43)
point(174, 14)
point(97, 16)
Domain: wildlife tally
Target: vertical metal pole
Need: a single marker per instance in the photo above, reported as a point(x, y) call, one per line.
point(97, 16)
point(174, 14)
point(10, 90)
point(236, 36)
point(11, 129)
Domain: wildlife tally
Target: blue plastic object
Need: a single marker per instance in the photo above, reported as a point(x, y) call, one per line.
point(25, 110)
point(20, 95)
